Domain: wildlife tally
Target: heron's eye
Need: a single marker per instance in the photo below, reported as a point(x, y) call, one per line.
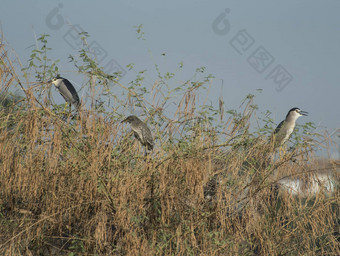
point(297, 111)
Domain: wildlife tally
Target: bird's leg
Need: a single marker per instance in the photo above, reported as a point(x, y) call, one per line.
point(282, 151)
point(65, 109)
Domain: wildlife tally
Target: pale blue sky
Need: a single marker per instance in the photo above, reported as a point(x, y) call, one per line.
point(302, 36)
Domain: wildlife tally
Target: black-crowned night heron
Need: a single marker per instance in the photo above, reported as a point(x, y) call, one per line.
point(141, 131)
point(66, 90)
point(286, 127)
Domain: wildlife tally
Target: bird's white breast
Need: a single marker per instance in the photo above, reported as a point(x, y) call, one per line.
point(289, 132)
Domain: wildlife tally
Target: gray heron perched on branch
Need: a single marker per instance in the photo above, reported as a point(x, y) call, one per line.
point(67, 90)
point(141, 131)
point(286, 127)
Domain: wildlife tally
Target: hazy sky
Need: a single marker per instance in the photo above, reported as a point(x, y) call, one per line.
point(290, 49)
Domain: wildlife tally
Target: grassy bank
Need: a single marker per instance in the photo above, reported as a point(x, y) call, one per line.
point(80, 185)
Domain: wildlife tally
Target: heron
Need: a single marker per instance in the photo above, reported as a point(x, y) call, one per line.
point(283, 131)
point(141, 132)
point(67, 90)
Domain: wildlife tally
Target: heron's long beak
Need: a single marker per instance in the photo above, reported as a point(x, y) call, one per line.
point(304, 113)
point(123, 120)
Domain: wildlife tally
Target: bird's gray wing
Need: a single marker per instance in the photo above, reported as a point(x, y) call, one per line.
point(69, 92)
point(278, 134)
point(277, 129)
point(137, 131)
point(147, 136)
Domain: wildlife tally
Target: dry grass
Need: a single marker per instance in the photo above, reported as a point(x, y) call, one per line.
point(82, 186)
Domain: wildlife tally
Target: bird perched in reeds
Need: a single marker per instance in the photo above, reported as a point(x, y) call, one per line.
point(286, 127)
point(141, 131)
point(66, 90)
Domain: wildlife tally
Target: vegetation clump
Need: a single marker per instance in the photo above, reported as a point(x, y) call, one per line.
point(78, 183)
